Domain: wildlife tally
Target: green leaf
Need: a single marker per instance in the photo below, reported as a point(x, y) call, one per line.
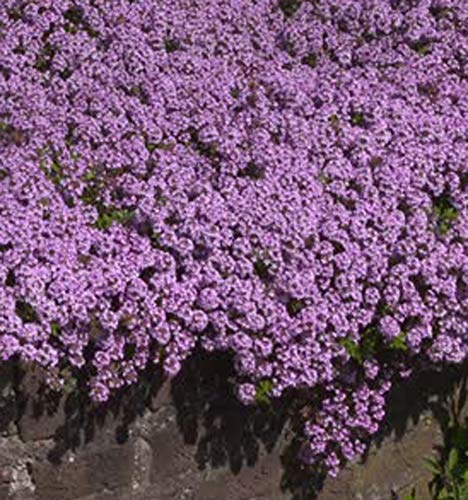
point(90, 175)
point(334, 122)
point(358, 119)
point(56, 168)
point(399, 343)
point(445, 213)
point(295, 306)
point(253, 171)
point(262, 269)
point(108, 216)
point(443, 494)
point(263, 390)
point(172, 45)
point(352, 349)
point(310, 60)
point(69, 385)
point(26, 312)
point(289, 7)
point(370, 341)
point(440, 11)
point(74, 15)
point(384, 309)
point(55, 329)
point(460, 437)
point(104, 221)
point(422, 46)
point(151, 146)
point(432, 465)
point(411, 496)
point(366, 348)
point(10, 279)
point(324, 179)
point(452, 459)
point(235, 92)
point(122, 216)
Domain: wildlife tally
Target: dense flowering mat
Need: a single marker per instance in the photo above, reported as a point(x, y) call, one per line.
point(281, 179)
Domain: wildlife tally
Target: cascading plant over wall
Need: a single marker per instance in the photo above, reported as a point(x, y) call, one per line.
point(285, 180)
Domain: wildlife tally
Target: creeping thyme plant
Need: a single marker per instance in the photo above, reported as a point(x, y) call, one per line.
point(285, 180)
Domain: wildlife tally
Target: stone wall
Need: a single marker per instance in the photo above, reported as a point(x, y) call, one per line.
point(191, 440)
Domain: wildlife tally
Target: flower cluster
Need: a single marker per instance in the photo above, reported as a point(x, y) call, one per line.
point(281, 179)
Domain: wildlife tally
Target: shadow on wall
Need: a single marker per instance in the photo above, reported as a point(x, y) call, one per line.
point(227, 433)
point(210, 416)
point(222, 431)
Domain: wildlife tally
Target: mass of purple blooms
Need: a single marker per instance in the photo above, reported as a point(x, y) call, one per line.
point(284, 180)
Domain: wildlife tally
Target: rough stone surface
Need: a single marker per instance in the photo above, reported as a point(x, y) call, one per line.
point(190, 440)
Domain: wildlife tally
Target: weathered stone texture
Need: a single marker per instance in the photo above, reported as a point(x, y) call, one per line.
point(191, 442)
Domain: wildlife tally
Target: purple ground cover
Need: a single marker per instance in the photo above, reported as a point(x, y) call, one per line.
point(281, 179)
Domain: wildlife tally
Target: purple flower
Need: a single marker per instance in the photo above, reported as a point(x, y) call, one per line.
point(280, 181)
point(389, 327)
point(246, 393)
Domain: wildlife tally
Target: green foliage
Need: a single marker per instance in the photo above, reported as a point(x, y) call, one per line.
point(310, 60)
point(44, 58)
point(163, 146)
point(151, 146)
point(70, 28)
point(208, 149)
point(399, 343)
point(334, 122)
point(91, 195)
point(56, 169)
point(289, 7)
point(75, 19)
point(383, 309)
point(50, 164)
point(5, 247)
point(74, 15)
point(411, 496)
point(372, 343)
point(10, 279)
point(11, 134)
point(55, 329)
point(440, 11)
point(445, 213)
point(450, 469)
point(235, 92)
point(358, 119)
point(263, 391)
point(171, 45)
point(421, 46)
point(155, 239)
point(26, 312)
point(295, 306)
point(253, 171)
point(367, 347)
point(70, 383)
point(65, 74)
point(108, 216)
point(263, 268)
point(324, 179)
point(352, 348)
point(92, 190)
